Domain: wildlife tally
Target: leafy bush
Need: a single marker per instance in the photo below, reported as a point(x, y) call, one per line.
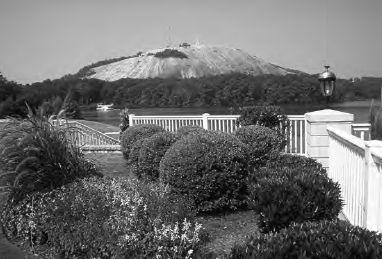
point(136, 132)
point(162, 203)
point(124, 114)
point(170, 53)
point(283, 196)
point(294, 162)
point(185, 130)
point(201, 167)
point(100, 218)
point(323, 239)
point(36, 156)
point(151, 152)
point(263, 143)
point(268, 116)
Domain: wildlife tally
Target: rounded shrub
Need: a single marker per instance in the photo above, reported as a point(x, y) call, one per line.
point(151, 151)
point(185, 130)
point(136, 132)
point(295, 162)
point(282, 197)
point(263, 143)
point(132, 162)
point(324, 239)
point(209, 168)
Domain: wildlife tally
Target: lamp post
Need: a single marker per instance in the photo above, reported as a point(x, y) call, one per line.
point(327, 84)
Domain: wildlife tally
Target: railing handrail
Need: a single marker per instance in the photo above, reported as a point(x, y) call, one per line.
point(77, 124)
point(377, 155)
point(200, 116)
point(99, 133)
point(166, 116)
point(345, 138)
point(361, 124)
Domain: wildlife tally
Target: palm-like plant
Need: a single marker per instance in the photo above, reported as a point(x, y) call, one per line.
point(39, 155)
point(375, 121)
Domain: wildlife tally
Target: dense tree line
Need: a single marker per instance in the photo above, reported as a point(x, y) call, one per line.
point(234, 90)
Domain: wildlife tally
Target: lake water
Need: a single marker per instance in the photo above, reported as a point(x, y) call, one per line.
point(359, 109)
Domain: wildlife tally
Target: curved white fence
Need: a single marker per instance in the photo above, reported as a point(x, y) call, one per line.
point(226, 123)
point(356, 165)
point(346, 166)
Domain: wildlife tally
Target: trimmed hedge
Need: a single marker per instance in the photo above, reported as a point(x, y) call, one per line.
point(325, 239)
point(136, 132)
point(189, 129)
point(103, 218)
point(133, 161)
point(282, 197)
point(295, 162)
point(202, 168)
point(151, 151)
point(263, 143)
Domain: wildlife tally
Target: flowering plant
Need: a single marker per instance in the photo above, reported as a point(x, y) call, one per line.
point(98, 218)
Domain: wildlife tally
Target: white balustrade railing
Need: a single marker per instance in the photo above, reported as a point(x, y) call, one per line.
point(356, 165)
point(361, 130)
point(83, 135)
point(296, 134)
point(226, 123)
point(374, 185)
point(346, 166)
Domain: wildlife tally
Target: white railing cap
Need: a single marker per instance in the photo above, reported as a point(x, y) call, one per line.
point(375, 150)
point(346, 138)
point(328, 115)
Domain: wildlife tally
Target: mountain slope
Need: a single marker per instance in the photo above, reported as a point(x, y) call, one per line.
point(185, 61)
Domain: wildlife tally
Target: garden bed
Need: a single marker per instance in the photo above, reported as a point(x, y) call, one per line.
point(224, 230)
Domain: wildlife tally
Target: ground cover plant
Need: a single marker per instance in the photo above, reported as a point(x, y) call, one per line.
point(103, 217)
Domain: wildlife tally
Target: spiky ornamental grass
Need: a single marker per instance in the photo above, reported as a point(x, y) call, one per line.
point(36, 155)
point(375, 120)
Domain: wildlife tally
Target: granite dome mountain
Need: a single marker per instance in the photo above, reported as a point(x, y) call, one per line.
point(185, 61)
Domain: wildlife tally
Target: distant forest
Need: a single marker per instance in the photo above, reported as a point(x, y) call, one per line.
point(229, 90)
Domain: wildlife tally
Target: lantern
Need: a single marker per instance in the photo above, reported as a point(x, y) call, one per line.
point(327, 82)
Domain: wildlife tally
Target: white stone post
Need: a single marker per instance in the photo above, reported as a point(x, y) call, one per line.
point(205, 120)
point(131, 119)
point(317, 137)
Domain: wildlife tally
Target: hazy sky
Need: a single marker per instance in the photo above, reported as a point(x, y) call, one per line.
point(41, 39)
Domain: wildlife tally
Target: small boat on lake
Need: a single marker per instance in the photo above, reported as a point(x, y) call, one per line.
point(104, 107)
